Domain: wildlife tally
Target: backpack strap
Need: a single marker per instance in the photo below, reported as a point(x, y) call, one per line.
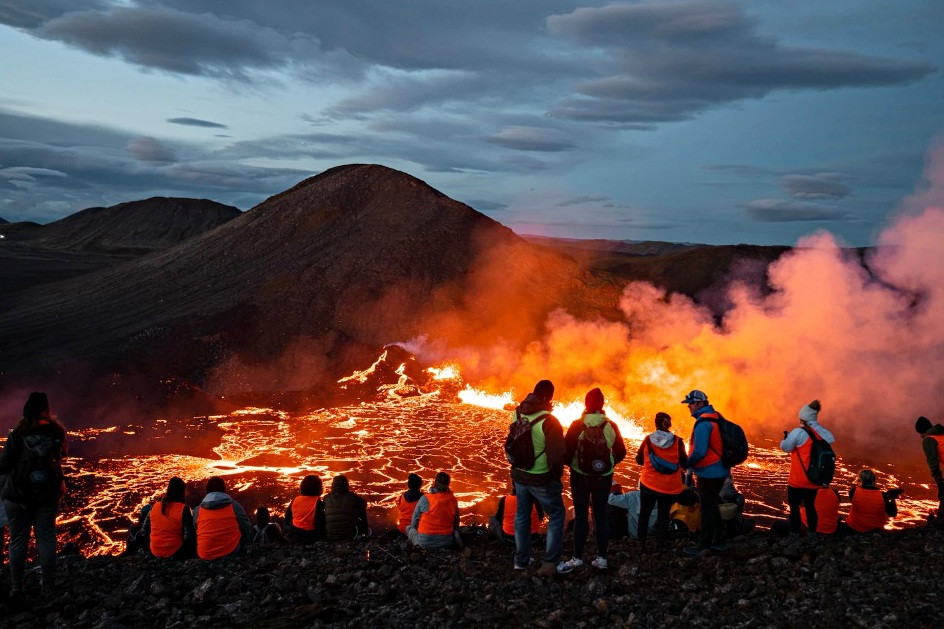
point(531, 423)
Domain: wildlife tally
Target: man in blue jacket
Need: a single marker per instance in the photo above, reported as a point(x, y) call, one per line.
point(704, 459)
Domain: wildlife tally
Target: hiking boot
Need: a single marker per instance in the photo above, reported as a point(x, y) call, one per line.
point(600, 563)
point(530, 563)
point(574, 562)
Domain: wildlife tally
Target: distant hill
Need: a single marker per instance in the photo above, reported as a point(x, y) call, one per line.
point(135, 227)
point(3, 220)
point(316, 277)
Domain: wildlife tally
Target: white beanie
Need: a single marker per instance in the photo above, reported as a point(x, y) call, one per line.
point(808, 414)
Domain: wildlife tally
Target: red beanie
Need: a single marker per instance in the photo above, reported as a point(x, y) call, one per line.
point(594, 401)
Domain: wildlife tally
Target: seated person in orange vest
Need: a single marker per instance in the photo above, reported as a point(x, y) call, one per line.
point(827, 510)
point(222, 525)
point(406, 503)
point(435, 521)
point(305, 516)
point(345, 512)
point(502, 524)
point(265, 531)
point(168, 524)
point(871, 507)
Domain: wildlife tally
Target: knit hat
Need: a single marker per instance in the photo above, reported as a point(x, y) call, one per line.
point(37, 405)
point(544, 390)
point(810, 412)
point(922, 425)
point(594, 401)
point(414, 482)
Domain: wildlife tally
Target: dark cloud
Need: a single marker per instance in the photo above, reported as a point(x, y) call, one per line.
point(531, 139)
point(407, 92)
point(670, 61)
point(583, 200)
point(777, 211)
point(149, 149)
point(821, 186)
point(31, 13)
point(197, 122)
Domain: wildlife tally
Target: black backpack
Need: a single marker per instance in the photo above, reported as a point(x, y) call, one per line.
point(822, 460)
point(733, 442)
point(519, 446)
point(38, 472)
point(593, 452)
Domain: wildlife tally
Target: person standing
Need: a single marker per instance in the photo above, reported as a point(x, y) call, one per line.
point(704, 459)
point(932, 442)
point(541, 482)
point(594, 448)
point(800, 489)
point(662, 456)
point(435, 523)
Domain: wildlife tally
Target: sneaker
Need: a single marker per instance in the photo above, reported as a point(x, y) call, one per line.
point(574, 562)
point(564, 567)
point(600, 563)
point(530, 563)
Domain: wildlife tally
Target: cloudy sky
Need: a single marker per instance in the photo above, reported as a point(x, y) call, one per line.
point(686, 120)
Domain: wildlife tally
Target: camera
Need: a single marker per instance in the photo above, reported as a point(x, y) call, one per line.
point(785, 433)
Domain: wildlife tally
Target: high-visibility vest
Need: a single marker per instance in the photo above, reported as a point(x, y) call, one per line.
point(303, 512)
point(655, 480)
point(218, 532)
point(167, 529)
point(508, 517)
point(867, 512)
point(441, 517)
point(713, 454)
point(827, 511)
point(405, 510)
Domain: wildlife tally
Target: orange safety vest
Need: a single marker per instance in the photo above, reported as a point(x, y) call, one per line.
point(827, 511)
point(405, 510)
point(657, 481)
point(508, 517)
point(441, 516)
point(303, 512)
point(867, 512)
point(799, 462)
point(167, 529)
point(218, 532)
point(713, 454)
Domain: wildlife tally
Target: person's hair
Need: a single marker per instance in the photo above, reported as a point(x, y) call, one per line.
point(339, 484)
point(922, 425)
point(262, 517)
point(35, 410)
point(544, 389)
point(414, 482)
point(867, 477)
point(663, 421)
point(311, 486)
point(442, 481)
point(216, 484)
point(176, 490)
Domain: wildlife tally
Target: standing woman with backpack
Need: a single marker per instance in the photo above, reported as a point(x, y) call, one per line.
point(662, 456)
point(31, 460)
point(800, 488)
point(594, 448)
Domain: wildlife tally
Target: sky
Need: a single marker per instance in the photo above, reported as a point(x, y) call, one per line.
point(709, 121)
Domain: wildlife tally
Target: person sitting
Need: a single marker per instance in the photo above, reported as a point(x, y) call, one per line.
point(265, 531)
point(616, 515)
point(827, 508)
point(406, 503)
point(222, 526)
point(871, 507)
point(435, 523)
point(345, 512)
point(167, 526)
point(305, 516)
point(732, 509)
point(502, 524)
point(631, 502)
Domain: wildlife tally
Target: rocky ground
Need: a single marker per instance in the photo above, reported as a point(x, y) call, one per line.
point(891, 579)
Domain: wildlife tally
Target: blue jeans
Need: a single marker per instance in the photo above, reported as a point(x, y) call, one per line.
point(550, 497)
point(42, 520)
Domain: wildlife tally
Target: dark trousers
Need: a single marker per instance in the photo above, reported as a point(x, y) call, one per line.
point(795, 496)
point(588, 491)
point(711, 529)
point(42, 520)
point(647, 500)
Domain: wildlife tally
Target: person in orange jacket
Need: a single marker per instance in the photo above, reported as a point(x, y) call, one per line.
point(827, 511)
point(168, 524)
point(305, 516)
point(502, 524)
point(662, 457)
point(871, 507)
point(222, 526)
point(798, 443)
point(435, 521)
point(406, 503)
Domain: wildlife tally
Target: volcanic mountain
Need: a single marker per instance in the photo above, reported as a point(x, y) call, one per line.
point(304, 285)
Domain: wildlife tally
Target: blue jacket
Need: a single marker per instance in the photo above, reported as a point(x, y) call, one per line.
point(701, 436)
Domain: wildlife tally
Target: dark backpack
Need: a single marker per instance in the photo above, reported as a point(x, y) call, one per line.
point(519, 446)
point(38, 472)
point(733, 442)
point(593, 452)
point(822, 460)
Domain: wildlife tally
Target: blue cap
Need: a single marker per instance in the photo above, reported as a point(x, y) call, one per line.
point(695, 396)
